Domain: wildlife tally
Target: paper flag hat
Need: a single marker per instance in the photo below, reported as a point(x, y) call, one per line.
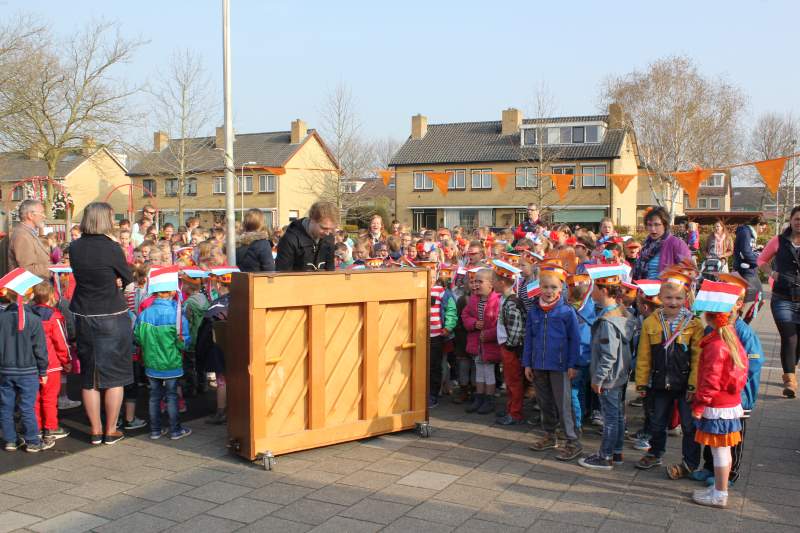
point(60, 269)
point(194, 273)
point(163, 279)
point(19, 280)
point(649, 287)
point(223, 270)
point(505, 270)
point(604, 271)
point(716, 297)
point(579, 279)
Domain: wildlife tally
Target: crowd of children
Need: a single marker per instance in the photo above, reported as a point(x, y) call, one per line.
point(551, 316)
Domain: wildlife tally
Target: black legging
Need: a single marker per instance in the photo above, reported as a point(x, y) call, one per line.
point(789, 332)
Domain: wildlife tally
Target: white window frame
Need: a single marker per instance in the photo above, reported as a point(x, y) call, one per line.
point(702, 203)
point(218, 185)
point(712, 180)
point(526, 132)
point(457, 179)
point(711, 202)
point(573, 134)
point(561, 168)
point(188, 185)
point(484, 179)
point(247, 183)
point(421, 181)
point(594, 169)
point(586, 134)
point(294, 214)
point(530, 176)
point(264, 181)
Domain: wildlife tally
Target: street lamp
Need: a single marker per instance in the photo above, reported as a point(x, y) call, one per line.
point(241, 186)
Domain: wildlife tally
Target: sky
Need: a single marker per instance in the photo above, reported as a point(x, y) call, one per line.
point(449, 60)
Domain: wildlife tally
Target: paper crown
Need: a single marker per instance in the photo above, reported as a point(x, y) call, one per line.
point(505, 270)
point(163, 279)
point(430, 265)
point(649, 287)
point(374, 262)
point(447, 271)
point(629, 286)
point(224, 270)
point(195, 276)
point(184, 250)
point(19, 280)
point(511, 259)
point(60, 269)
point(716, 297)
point(532, 257)
point(472, 272)
point(675, 276)
point(550, 268)
point(601, 271)
point(734, 279)
point(632, 243)
point(579, 279)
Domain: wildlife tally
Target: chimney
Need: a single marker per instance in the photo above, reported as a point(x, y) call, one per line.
point(160, 141)
point(34, 152)
point(88, 147)
point(512, 120)
point(419, 126)
point(299, 131)
point(616, 120)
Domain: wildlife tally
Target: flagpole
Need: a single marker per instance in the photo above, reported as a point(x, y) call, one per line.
point(230, 200)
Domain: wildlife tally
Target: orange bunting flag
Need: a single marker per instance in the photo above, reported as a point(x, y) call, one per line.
point(690, 181)
point(386, 175)
point(562, 182)
point(441, 180)
point(502, 178)
point(278, 171)
point(621, 180)
point(771, 170)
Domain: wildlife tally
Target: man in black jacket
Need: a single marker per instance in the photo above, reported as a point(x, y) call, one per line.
point(308, 243)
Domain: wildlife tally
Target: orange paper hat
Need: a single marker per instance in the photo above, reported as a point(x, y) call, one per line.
point(578, 279)
point(735, 279)
point(374, 262)
point(676, 277)
point(551, 268)
point(430, 265)
point(511, 259)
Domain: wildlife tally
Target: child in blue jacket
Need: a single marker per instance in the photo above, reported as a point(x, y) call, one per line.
point(550, 358)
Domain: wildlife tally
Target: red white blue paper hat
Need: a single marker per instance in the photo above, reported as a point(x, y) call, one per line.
point(194, 273)
point(649, 287)
point(163, 279)
point(223, 270)
point(19, 280)
point(601, 271)
point(505, 270)
point(716, 297)
point(57, 271)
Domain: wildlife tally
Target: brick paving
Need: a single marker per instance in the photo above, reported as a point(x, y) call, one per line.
point(468, 476)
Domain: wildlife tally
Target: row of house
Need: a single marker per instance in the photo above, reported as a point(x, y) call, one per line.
point(280, 173)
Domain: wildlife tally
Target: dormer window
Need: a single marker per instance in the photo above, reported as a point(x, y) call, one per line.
point(567, 134)
point(715, 180)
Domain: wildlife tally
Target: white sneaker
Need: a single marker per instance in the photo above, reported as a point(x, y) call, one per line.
point(699, 493)
point(711, 499)
point(66, 403)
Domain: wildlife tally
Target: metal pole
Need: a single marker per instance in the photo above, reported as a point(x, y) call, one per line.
point(230, 202)
point(794, 177)
point(241, 193)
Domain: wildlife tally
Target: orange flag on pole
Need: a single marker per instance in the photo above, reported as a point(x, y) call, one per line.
point(562, 182)
point(386, 175)
point(502, 178)
point(440, 179)
point(621, 180)
point(690, 181)
point(771, 170)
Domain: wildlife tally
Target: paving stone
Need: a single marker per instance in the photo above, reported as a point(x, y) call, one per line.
point(244, 510)
point(594, 494)
point(341, 465)
point(467, 495)
point(281, 493)
point(479, 526)
point(99, 489)
point(70, 522)
point(116, 506)
point(255, 479)
point(404, 494)
point(574, 513)
point(313, 479)
point(218, 492)
point(416, 454)
point(363, 453)
point(80, 475)
point(11, 520)
point(454, 467)
point(549, 526)
point(508, 514)
point(7, 501)
point(770, 512)
point(529, 496)
point(159, 490)
point(428, 480)
point(41, 489)
point(197, 476)
point(376, 511)
point(408, 524)
point(394, 466)
point(442, 512)
point(385, 442)
point(369, 480)
point(272, 524)
point(206, 524)
point(640, 512)
point(51, 506)
point(338, 524)
point(138, 475)
point(136, 523)
point(340, 494)
point(755, 526)
point(179, 508)
point(621, 526)
point(487, 480)
point(312, 512)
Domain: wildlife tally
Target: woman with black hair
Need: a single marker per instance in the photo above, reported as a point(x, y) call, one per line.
point(661, 249)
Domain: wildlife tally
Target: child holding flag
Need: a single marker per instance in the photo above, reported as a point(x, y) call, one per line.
point(510, 336)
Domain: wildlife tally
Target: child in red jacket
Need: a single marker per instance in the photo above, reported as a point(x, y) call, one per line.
point(46, 406)
point(480, 321)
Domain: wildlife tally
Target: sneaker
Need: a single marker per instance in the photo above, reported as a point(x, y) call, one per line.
point(113, 438)
point(701, 492)
point(181, 433)
point(678, 471)
point(548, 442)
point(95, 439)
point(155, 435)
point(217, 419)
point(642, 445)
point(701, 475)
point(647, 462)
point(595, 462)
point(486, 407)
point(636, 402)
point(569, 451)
point(41, 446)
point(675, 432)
point(136, 423)
point(477, 401)
point(711, 499)
point(597, 418)
point(617, 459)
point(508, 420)
point(55, 434)
point(66, 403)
point(433, 402)
point(14, 446)
point(182, 405)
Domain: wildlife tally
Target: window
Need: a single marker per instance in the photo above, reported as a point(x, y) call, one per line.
point(422, 182)
point(16, 195)
point(219, 185)
point(713, 203)
point(715, 180)
point(565, 135)
point(171, 187)
point(469, 218)
point(457, 180)
point(190, 187)
point(246, 184)
point(594, 177)
point(702, 203)
point(578, 134)
point(266, 183)
point(592, 134)
point(294, 215)
point(481, 179)
point(552, 135)
point(519, 216)
point(564, 170)
point(529, 136)
point(392, 184)
point(349, 187)
point(527, 178)
point(149, 187)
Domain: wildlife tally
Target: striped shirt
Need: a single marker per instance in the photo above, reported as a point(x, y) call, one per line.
point(436, 310)
point(522, 293)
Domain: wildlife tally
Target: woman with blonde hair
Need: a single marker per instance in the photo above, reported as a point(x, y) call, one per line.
point(720, 245)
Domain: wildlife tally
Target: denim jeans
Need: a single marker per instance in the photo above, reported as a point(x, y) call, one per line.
point(611, 404)
point(663, 400)
point(26, 387)
point(169, 389)
point(579, 384)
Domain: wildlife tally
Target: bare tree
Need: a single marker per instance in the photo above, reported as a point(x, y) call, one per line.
point(183, 107)
point(66, 93)
point(681, 118)
point(775, 135)
point(20, 40)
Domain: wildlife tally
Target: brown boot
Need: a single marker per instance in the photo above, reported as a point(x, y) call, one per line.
point(790, 385)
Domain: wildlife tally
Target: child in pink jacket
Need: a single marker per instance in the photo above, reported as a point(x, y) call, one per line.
point(480, 321)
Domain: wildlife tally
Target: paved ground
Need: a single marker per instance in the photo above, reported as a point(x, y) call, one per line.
point(469, 476)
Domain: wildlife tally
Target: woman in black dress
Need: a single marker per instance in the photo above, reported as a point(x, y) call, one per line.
point(102, 324)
